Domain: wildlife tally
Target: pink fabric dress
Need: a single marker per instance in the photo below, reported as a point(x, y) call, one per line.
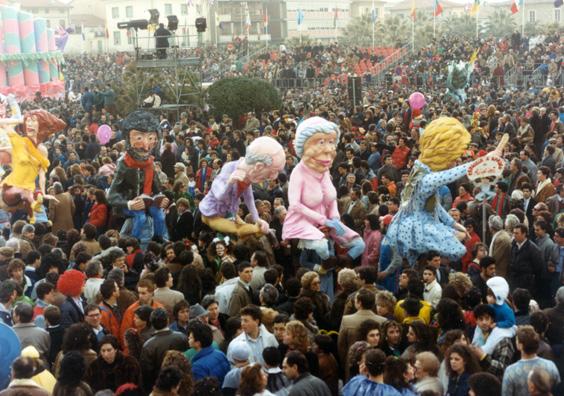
point(312, 201)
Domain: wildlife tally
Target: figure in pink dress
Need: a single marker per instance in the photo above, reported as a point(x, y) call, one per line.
point(312, 196)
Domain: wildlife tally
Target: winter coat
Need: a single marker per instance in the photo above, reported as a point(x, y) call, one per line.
point(101, 375)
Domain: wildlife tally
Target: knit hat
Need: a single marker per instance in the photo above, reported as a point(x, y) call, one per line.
point(70, 283)
point(310, 127)
point(240, 351)
point(197, 310)
point(500, 289)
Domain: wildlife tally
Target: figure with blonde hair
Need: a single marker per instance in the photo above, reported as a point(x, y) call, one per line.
point(422, 224)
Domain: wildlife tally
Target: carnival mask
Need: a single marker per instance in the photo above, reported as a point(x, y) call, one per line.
point(320, 151)
point(141, 144)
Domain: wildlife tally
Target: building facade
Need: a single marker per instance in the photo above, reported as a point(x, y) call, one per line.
point(319, 19)
point(54, 12)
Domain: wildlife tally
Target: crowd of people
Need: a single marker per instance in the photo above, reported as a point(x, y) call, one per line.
point(194, 312)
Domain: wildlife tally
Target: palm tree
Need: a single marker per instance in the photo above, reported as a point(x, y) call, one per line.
point(500, 24)
point(397, 31)
point(463, 26)
point(358, 32)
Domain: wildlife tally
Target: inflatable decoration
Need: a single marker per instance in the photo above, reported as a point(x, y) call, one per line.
point(135, 190)
point(422, 224)
point(458, 79)
point(313, 216)
point(10, 349)
point(28, 158)
point(417, 101)
point(29, 59)
point(104, 134)
point(263, 161)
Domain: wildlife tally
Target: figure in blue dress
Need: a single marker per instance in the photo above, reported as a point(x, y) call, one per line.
point(422, 224)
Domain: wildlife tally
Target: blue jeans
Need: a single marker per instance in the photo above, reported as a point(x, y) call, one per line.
point(139, 218)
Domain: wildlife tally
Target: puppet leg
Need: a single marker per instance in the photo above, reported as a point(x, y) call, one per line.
point(227, 226)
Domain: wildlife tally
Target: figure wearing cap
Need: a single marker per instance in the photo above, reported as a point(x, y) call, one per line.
point(135, 182)
point(263, 161)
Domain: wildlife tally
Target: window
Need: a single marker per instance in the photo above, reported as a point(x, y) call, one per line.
point(129, 12)
point(557, 15)
point(115, 12)
point(532, 16)
point(48, 23)
point(117, 37)
point(168, 9)
point(46, 10)
point(183, 9)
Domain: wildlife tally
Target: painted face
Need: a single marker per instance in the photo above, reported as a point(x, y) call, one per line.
point(320, 151)
point(32, 127)
point(142, 143)
point(261, 172)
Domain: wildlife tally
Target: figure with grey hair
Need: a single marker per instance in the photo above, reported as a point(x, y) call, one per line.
point(61, 209)
point(313, 215)
point(500, 246)
point(264, 160)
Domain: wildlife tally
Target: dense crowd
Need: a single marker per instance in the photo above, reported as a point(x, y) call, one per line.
point(198, 313)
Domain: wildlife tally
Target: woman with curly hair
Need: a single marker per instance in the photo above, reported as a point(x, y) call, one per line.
point(392, 342)
point(421, 338)
point(311, 288)
point(461, 363)
point(112, 369)
point(398, 373)
point(253, 382)
point(296, 338)
point(76, 338)
point(178, 360)
point(69, 378)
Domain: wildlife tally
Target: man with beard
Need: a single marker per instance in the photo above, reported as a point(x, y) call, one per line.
point(134, 182)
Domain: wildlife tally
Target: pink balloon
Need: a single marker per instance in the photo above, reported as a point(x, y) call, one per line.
point(104, 134)
point(417, 101)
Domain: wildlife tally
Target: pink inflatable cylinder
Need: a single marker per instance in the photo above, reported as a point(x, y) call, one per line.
point(3, 80)
point(27, 44)
point(12, 46)
point(53, 66)
point(42, 47)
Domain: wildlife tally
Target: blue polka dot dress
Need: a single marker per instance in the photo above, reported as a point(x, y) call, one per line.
point(422, 224)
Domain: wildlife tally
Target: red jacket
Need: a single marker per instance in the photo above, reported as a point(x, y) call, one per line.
point(400, 157)
point(110, 320)
point(98, 215)
point(469, 244)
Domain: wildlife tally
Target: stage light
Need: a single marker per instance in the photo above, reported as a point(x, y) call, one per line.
point(172, 22)
point(154, 20)
point(201, 25)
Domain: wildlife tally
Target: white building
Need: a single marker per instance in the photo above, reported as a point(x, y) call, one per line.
point(538, 11)
point(404, 8)
point(360, 8)
point(56, 13)
point(322, 19)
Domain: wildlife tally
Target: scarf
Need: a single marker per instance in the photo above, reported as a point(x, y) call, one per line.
point(148, 171)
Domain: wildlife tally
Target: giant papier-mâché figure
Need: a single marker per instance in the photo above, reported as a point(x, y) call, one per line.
point(27, 156)
point(312, 197)
point(422, 224)
point(135, 189)
point(264, 159)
